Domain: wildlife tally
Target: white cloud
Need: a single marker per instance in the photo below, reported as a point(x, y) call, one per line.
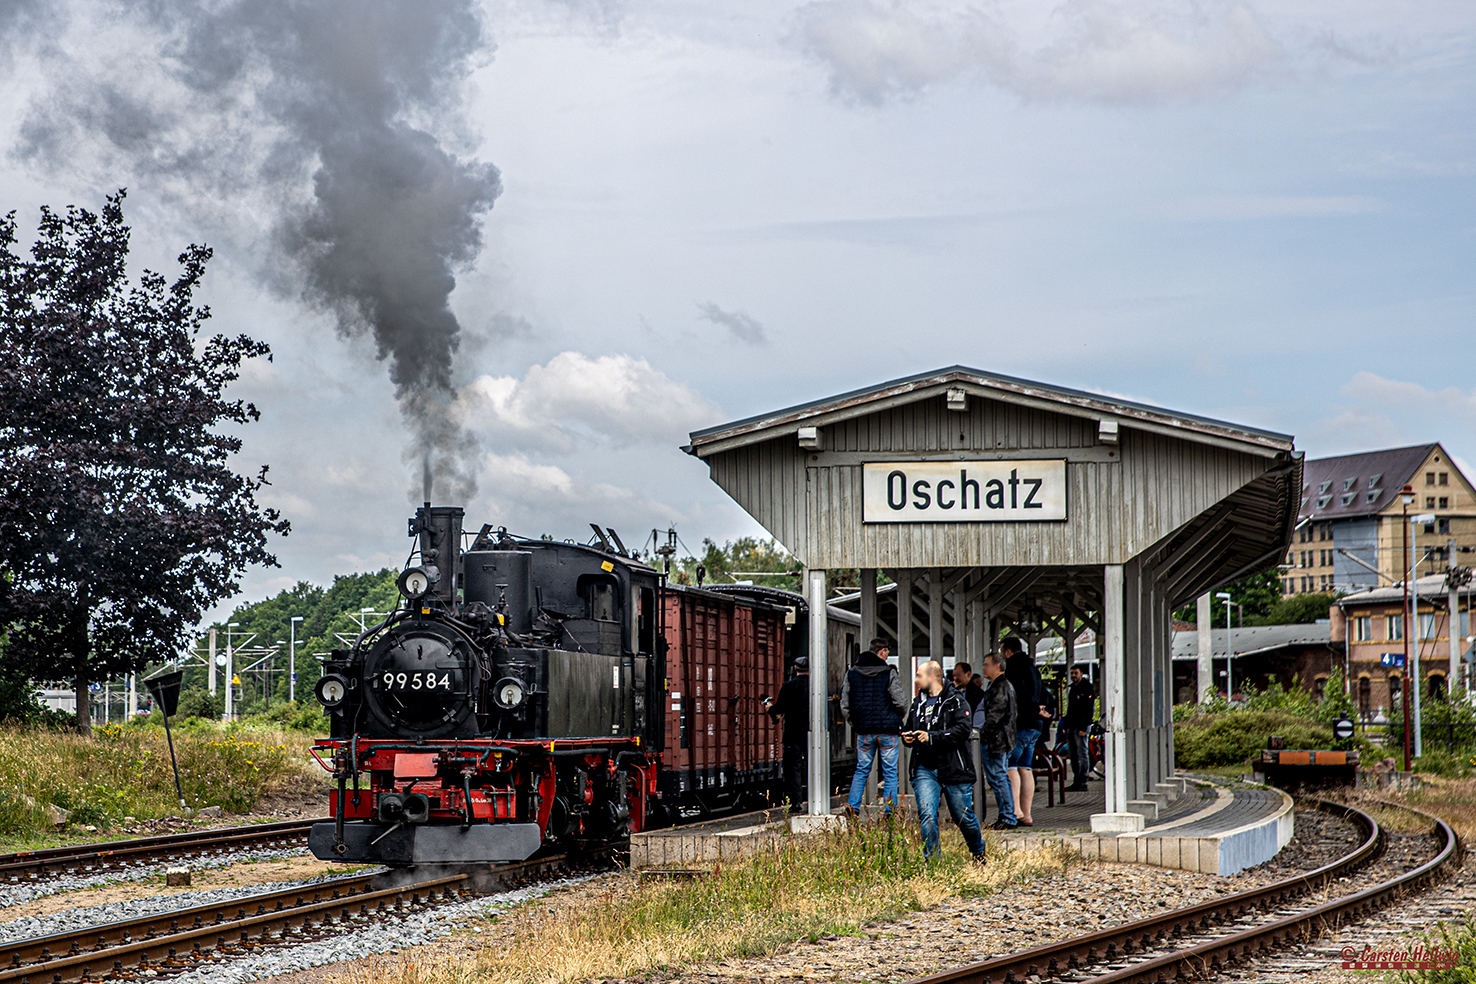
point(614, 398)
point(1450, 402)
point(1385, 412)
point(1234, 207)
point(1090, 51)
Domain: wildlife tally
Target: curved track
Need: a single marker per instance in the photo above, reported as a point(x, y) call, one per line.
point(1145, 951)
point(180, 938)
point(165, 847)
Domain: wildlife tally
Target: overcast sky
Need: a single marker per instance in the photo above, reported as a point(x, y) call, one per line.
point(1253, 211)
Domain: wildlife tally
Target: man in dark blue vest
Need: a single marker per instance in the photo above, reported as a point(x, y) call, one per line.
point(873, 702)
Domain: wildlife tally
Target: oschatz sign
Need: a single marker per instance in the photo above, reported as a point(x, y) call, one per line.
point(963, 491)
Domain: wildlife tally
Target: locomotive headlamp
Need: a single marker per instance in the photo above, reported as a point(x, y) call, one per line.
point(508, 693)
point(331, 690)
point(414, 583)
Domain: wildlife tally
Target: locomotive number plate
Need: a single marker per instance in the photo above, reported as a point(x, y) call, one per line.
point(428, 680)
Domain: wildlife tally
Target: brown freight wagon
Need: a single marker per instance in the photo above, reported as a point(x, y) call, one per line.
point(725, 648)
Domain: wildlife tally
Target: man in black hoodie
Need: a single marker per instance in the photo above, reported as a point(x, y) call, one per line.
point(793, 705)
point(937, 731)
point(873, 700)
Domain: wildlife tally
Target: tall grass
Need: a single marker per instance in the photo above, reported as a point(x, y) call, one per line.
point(804, 889)
point(124, 771)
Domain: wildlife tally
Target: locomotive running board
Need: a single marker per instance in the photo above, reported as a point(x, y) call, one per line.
point(427, 844)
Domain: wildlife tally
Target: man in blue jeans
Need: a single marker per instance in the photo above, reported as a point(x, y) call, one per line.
point(995, 719)
point(873, 701)
point(937, 731)
point(1025, 678)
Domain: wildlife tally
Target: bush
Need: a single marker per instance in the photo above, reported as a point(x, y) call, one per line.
point(199, 702)
point(1232, 737)
point(308, 718)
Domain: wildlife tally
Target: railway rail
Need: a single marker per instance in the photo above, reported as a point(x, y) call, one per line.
point(1200, 940)
point(176, 940)
point(110, 855)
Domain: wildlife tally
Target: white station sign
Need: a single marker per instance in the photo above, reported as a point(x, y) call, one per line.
point(963, 491)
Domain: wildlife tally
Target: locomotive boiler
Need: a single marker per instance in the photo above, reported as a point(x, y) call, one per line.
point(532, 693)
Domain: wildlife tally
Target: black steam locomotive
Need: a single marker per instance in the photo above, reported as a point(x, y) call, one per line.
point(532, 692)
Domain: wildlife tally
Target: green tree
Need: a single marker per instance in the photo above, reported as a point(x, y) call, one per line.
point(1258, 594)
point(121, 519)
point(1297, 609)
point(329, 616)
point(747, 558)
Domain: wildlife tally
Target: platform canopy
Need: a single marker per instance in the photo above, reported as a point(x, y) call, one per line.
point(1005, 505)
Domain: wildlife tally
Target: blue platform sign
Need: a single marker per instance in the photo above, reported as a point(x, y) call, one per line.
point(1391, 659)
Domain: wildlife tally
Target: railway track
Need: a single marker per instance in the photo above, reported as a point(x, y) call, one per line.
point(111, 855)
point(173, 941)
point(1201, 940)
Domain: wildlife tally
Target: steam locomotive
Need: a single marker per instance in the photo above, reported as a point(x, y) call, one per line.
point(533, 693)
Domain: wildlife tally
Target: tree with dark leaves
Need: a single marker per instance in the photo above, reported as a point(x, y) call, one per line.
point(121, 520)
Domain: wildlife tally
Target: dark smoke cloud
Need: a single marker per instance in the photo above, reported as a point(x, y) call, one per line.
point(336, 114)
point(740, 324)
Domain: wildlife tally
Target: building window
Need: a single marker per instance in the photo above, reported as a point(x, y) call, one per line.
point(1445, 478)
point(1394, 628)
point(1443, 525)
point(1429, 502)
point(1363, 628)
point(1319, 688)
point(1435, 686)
point(1322, 583)
point(1396, 691)
point(1365, 695)
point(1429, 478)
point(1444, 503)
point(1427, 625)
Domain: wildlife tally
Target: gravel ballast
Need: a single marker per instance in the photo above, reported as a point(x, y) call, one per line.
point(19, 894)
point(69, 920)
point(369, 937)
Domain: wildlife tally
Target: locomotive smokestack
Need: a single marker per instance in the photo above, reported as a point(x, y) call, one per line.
point(439, 528)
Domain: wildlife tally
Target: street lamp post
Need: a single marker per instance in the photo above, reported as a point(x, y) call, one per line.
point(1416, 676)
point(1405, 498)
point(230, 673)
point(271, 668)
point(1229, 649)
point(292, 660)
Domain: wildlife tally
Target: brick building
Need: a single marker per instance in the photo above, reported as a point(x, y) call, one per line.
point(1372, 623)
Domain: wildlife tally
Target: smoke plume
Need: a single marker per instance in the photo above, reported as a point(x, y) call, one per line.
point(333, 117)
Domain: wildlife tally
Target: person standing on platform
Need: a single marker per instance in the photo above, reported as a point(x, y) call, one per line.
point(1025, 678)
point(1081, 711)
point(873, 702)
point(937, 731)
point(995, 719)
point(964, 678)
point(793, 705)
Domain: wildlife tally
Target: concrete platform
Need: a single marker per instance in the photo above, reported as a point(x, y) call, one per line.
point(1216, 829)
point(735, 836)
point(704, 843)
